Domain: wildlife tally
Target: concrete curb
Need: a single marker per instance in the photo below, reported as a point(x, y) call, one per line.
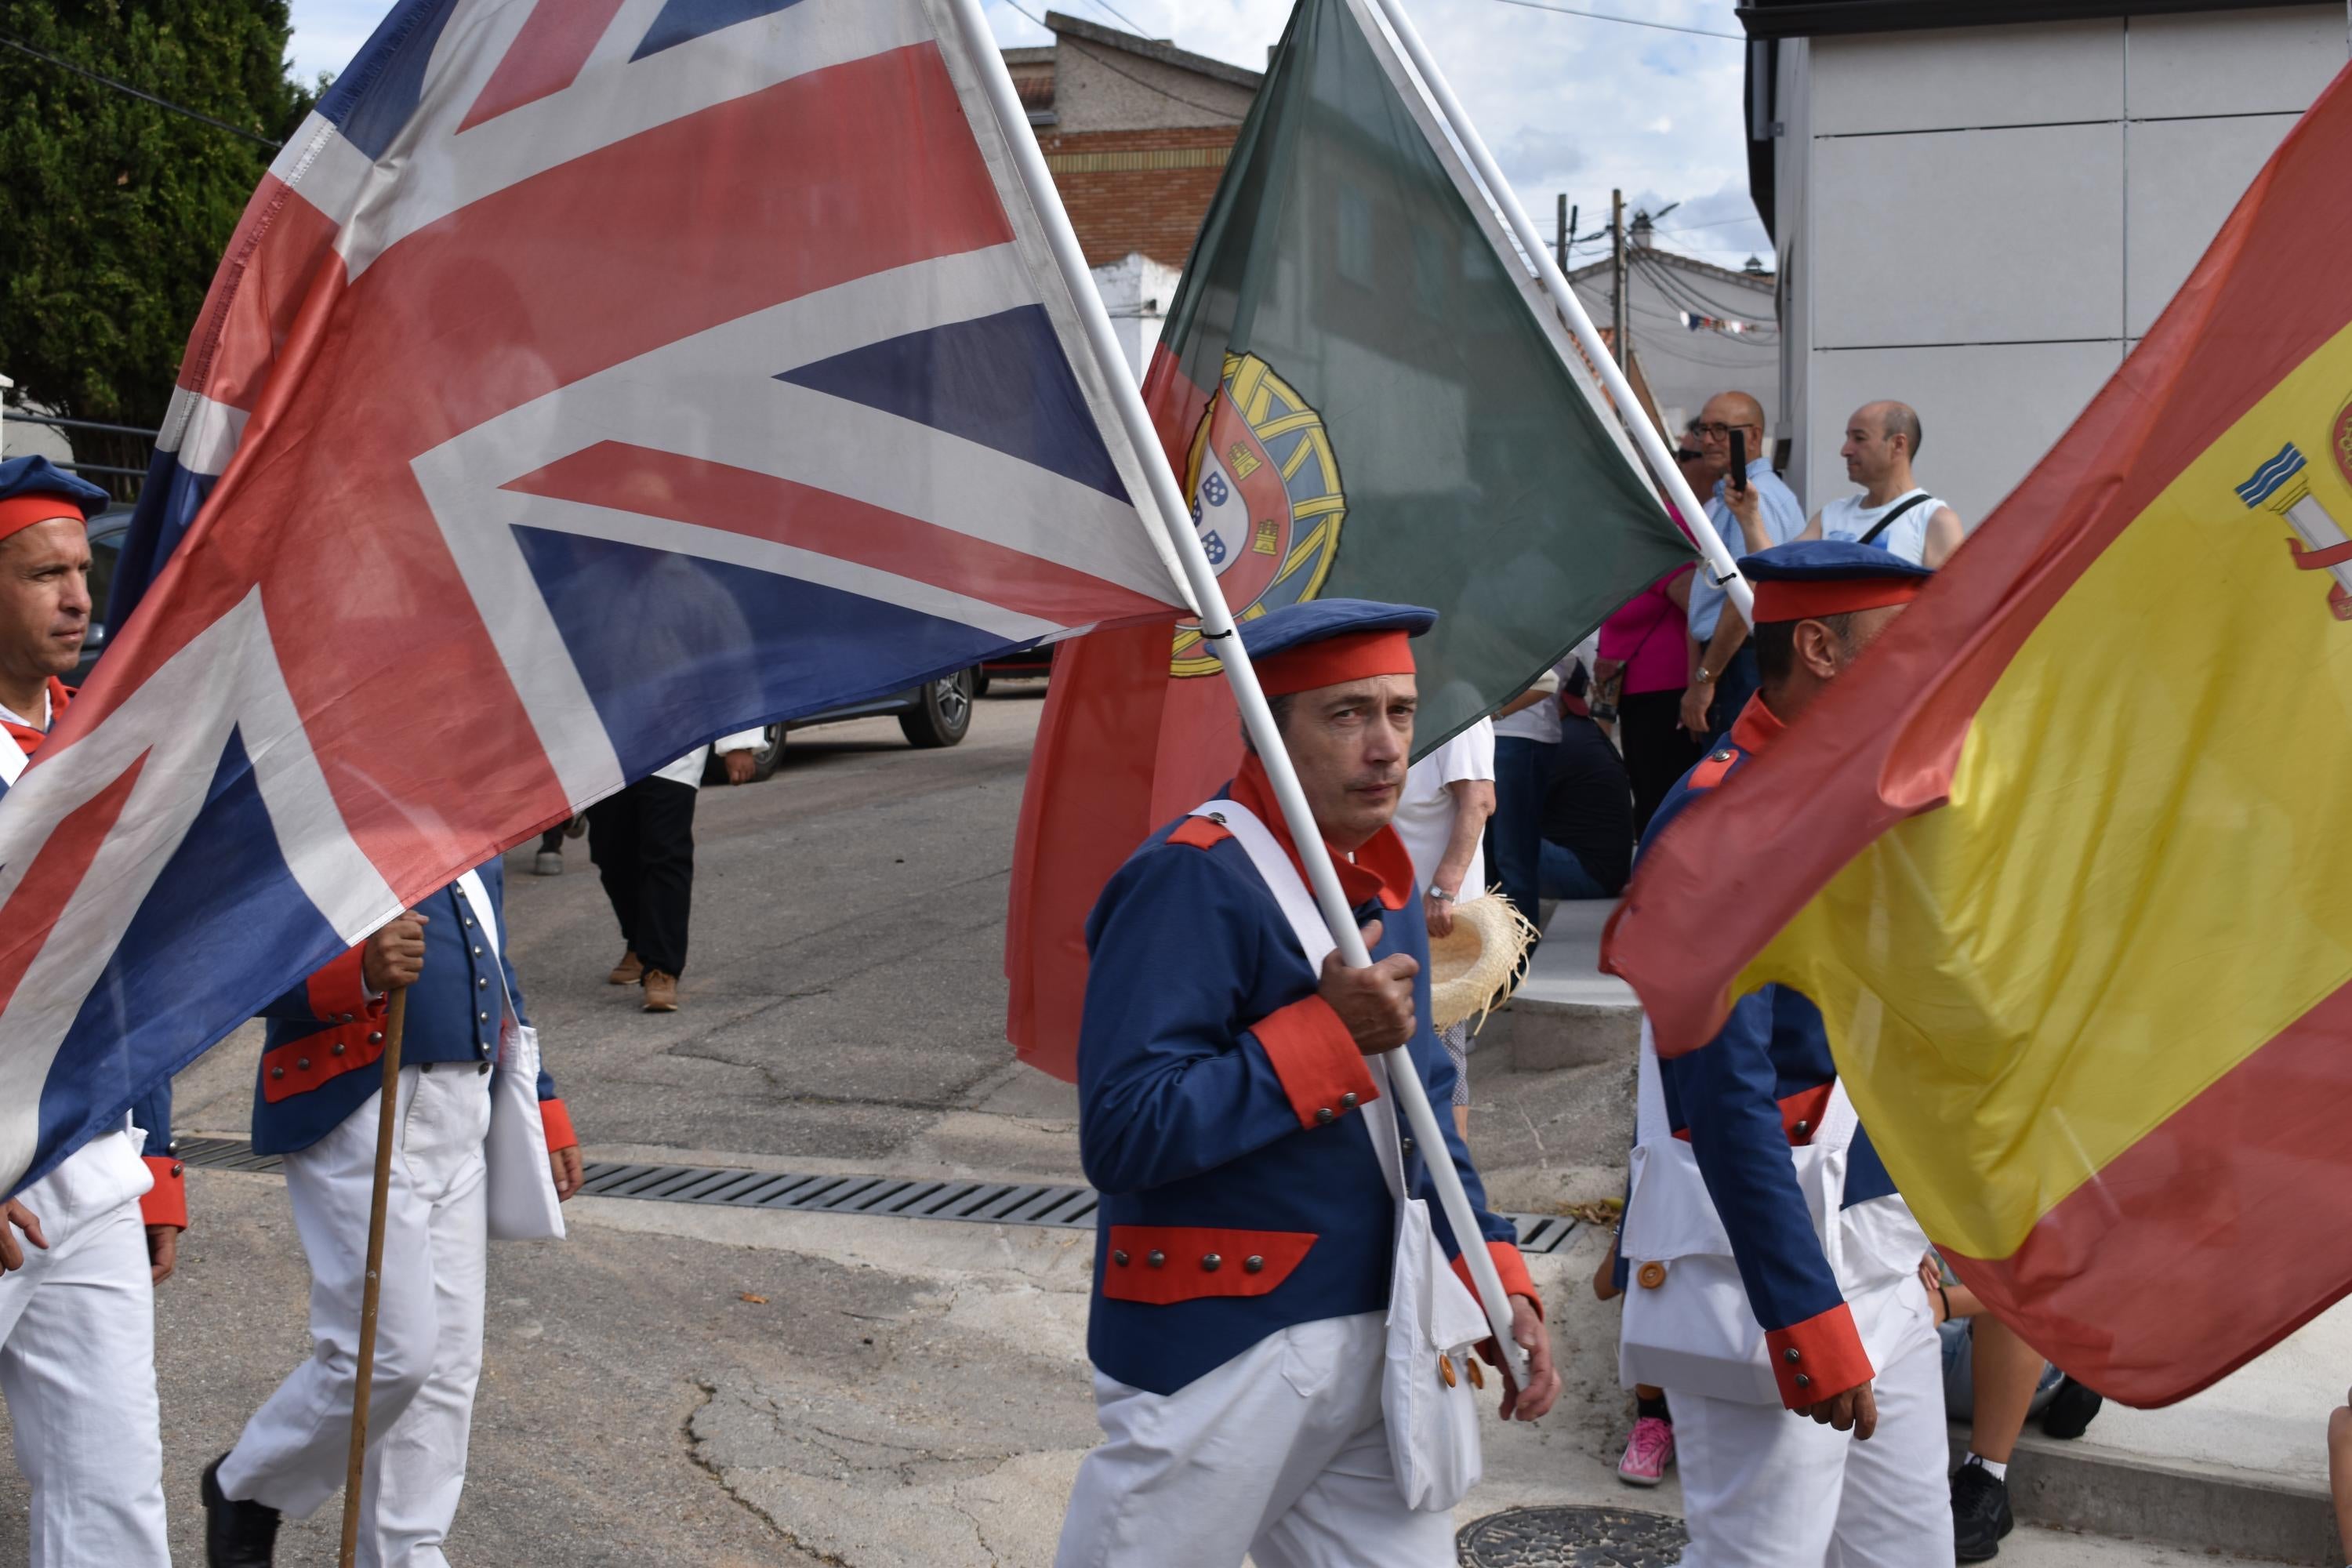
point(2208, 1507)
point(1530, 1035)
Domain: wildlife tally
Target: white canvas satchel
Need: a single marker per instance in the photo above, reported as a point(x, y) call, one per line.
point(518, 1183)
point(1687, 1324)
point(1426, 1394)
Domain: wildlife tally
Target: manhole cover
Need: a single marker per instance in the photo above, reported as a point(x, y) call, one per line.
point(1573, 1537)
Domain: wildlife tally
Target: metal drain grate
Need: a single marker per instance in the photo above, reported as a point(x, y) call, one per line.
point(981, 1203)
point(1577, 1536)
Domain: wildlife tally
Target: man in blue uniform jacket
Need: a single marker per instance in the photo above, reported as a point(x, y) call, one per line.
point(82, 1249)
point(316, 1103)
point(1850, 1345)
point(1242, 1258)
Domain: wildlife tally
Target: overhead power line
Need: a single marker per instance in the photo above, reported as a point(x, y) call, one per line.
point(1114, 67)
point(124, 87)
point(1627, 21)
point(1124, 21)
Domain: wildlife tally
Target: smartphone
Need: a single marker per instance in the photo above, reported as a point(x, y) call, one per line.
point(1739, 459)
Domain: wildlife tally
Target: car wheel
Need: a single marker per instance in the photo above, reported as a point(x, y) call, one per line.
point(771, 752)
point(943, 713)
point(764, 758)
point(979, 681)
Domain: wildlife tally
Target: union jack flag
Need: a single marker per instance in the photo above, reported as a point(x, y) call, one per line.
point(587, 378)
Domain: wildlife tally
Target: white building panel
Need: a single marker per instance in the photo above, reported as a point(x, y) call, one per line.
point(2185, 177)
point(1965, 77)
point(1997, 235)
point(2232, 62)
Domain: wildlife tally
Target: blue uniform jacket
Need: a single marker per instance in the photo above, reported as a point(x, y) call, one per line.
point(1744, 1099)
point(167, 1202)
point(1220, 1109)
point(325, 1030)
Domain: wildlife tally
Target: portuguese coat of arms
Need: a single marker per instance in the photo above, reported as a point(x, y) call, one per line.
point(1266, 496)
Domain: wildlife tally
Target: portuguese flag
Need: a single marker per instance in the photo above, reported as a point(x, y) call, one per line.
point(1366, 394)
point(2063, 862)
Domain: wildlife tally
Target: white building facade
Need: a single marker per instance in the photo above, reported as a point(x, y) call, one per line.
point(1980, 206)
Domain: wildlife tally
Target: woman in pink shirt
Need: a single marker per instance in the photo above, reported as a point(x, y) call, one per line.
point(1645, 654)
point(1647, 644)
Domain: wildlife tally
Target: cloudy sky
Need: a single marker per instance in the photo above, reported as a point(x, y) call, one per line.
point(1569, 103)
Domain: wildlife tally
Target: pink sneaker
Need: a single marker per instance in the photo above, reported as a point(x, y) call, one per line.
point(1648, 1452)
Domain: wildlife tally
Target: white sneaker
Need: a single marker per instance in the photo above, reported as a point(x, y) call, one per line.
point(549, 863)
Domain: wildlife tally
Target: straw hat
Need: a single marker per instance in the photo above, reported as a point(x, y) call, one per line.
point(1471, 968)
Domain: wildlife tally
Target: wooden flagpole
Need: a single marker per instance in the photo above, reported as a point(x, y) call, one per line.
point(387, 1124)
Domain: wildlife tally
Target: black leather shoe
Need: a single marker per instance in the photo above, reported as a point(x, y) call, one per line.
point(236, 1534)
point(1980, 1514)
point(2070, 1410)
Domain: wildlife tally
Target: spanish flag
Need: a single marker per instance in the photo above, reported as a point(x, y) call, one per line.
point(2066, 862)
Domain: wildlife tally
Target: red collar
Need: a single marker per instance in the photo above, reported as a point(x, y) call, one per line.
point(1381, 869)
point(1757, 726)
point(29, 739)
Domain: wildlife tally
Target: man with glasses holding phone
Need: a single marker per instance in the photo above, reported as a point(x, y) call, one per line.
point(1752, 510)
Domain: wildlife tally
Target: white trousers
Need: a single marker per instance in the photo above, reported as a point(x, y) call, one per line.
point(429, 1339)
point(1280, 1453)
point(1766, 1487)
point(77, 1366)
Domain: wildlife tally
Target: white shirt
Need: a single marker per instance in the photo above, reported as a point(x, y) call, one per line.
point(1846, 518)
point(687, 769)
point(1424, 815)
point(1537, 721)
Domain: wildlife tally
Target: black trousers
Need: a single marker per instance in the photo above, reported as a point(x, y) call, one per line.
point(642, 841)
point(1658, 750)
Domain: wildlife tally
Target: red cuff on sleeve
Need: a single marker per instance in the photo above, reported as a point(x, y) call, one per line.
point(1510, 1266)
point(167, 1202)
point(558, 1122)
point(1322, 1071)
point(339, 991)
point(1819, 1358)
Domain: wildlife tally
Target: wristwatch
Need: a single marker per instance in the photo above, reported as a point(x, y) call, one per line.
point(1440, 895)
point(1703, 677)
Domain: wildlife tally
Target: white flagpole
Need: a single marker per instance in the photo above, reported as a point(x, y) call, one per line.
point(1652, 446)
point(1217, 630)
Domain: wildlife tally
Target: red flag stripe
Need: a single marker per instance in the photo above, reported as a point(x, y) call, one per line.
point(764, 506)
point(2243, 1179)
point(545, 56)
point(55, 871)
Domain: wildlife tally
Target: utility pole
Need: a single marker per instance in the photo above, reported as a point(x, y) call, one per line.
point(1567, 232)
point(1622, 319)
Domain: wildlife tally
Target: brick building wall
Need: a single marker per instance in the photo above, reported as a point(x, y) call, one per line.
point(1136, 132)
point(1129, 191)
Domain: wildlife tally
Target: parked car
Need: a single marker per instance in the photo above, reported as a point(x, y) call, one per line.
point(936, 713)
point(1027, 664)
point(106, 531)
